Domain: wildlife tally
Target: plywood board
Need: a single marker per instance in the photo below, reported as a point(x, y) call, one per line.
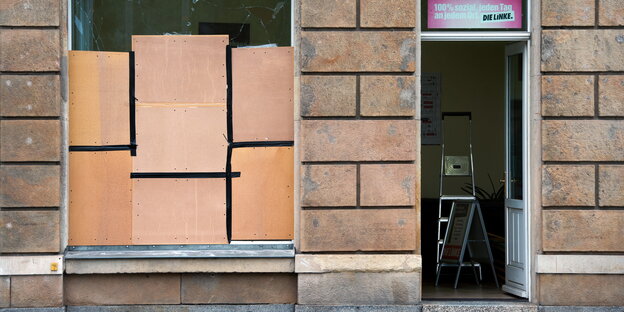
point(100, 198)
point(262, 99)
point(178, 211)
point(181, 138)
point(99, 98)
point(359, 230)
point(180, 69)
point(262, 197)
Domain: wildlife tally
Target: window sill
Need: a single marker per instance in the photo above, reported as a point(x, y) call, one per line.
point(233, 258)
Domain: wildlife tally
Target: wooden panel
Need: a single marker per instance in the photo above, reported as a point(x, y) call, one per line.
point(180, 69)
point(181, 138)
point(178, 211)
point(358, 230)
point(262, 197)
point(99, 98)
point(262, 100)
point(100, 198)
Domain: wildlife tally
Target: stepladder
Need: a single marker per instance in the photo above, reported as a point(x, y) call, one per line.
point(466, 241)
point(453, 167)
point(460, 244)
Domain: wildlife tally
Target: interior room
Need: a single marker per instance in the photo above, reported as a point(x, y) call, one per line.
point(464, 77)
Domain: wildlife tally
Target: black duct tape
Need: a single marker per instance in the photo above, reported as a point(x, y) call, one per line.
point(263, 144)
point(132, 103)
point(183, 175)
point(228, 164)
point(103, 148)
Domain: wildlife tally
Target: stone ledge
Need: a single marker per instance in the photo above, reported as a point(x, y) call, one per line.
point(580, 264)
point(183, 308)
point(357, 263)
point(30, 265)
point(579, 309)
point(61, 309)
point(368, 308)
point(219, 265)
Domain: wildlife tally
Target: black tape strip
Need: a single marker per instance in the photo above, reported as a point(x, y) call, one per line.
point(101, 148)
point(132, 103)
point(183, 175)
point(228, 164)
point(263, 144)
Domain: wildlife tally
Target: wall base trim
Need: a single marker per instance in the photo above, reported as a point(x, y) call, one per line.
point(579, 309)
point(31, 265)
point(580, 264)
point(358, 308)
point(314, 263)
point(185, 308)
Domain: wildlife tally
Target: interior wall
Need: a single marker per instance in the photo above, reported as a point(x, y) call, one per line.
point(472, 79)
point(103, 27)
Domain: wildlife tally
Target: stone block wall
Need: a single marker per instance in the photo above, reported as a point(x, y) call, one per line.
point(176, 289)
point(31, 49)
point(359, 144)
point(582, 92)
point(30, 145)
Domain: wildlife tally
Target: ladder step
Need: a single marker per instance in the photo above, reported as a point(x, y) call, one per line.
point(457, 197)
point(443, 219)
point(440, 241)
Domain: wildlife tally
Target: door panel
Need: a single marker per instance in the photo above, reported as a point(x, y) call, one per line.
point(515, 169)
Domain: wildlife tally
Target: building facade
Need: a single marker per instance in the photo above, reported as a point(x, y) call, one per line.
point(357, 170)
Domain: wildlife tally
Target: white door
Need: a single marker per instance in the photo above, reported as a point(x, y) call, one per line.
point(515, 170)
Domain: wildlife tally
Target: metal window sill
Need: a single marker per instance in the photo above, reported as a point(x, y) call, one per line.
point(279, 250)
point(232, 258)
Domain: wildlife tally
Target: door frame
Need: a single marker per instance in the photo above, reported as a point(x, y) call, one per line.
point(523, 49)
point(529, 187)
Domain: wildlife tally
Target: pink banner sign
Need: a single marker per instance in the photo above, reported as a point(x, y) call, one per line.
point(474, 14)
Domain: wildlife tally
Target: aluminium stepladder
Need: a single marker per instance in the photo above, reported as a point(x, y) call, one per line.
point(455, 166)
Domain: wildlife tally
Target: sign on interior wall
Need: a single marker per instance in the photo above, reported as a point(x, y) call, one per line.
point(457, 14)
point(431, 114)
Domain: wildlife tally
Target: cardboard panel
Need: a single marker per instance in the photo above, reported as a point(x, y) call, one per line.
point(181, 138)
point(359, 230)
point(178, 211)
point(180, 69)
point(262, 197)
point(99, 98)
point(100, 198)
point(262, 99)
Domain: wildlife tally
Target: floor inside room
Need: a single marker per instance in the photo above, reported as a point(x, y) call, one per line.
point(464, 77)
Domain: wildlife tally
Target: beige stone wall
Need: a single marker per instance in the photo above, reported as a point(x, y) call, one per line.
point(359, 125)
point(582, 66)
point(31, 49)
point(359, 146)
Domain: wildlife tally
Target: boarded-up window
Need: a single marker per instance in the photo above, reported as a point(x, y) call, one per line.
point(155, 157)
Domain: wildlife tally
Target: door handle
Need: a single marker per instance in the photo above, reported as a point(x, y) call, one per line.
point(504, 181)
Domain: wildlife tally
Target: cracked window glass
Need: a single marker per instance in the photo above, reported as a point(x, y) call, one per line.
point(105, 25)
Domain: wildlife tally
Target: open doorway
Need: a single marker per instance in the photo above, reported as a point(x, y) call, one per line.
point(486, 80)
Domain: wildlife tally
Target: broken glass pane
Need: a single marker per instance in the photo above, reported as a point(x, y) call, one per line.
point(105, 25)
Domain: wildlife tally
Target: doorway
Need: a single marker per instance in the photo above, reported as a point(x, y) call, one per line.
point(489, 80)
